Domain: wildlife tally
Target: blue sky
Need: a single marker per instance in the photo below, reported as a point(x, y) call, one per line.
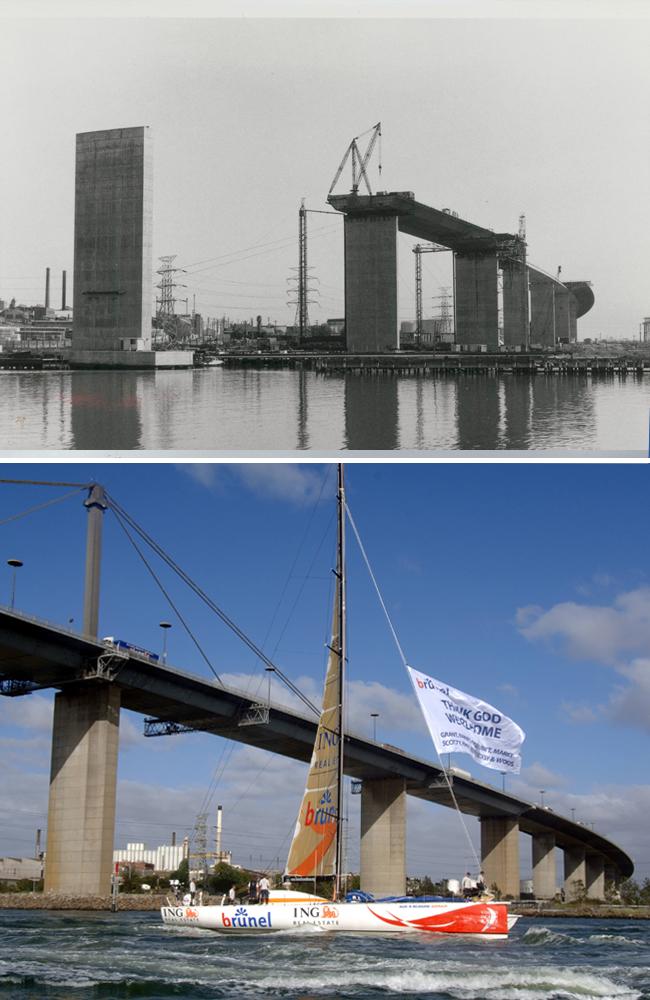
point(524, 584)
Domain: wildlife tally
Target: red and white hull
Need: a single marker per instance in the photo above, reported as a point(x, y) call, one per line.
point(291, 911)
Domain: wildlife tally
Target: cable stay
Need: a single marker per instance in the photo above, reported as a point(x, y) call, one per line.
point(211, 604)
point(40, 506)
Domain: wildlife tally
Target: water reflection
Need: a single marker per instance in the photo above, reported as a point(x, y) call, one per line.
point(371, 413)
point(107, 412)
point(258, 411)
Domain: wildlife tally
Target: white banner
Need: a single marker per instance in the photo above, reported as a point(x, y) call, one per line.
point(460, 723)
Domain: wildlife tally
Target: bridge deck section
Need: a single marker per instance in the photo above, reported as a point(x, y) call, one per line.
point(33, 652)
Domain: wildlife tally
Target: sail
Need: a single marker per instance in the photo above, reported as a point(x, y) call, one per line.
point(313, 849)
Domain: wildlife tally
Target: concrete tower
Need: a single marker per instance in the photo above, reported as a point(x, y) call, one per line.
point(112, 243)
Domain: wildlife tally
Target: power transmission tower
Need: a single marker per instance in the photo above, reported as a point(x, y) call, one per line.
point(166, 304)
point(200, 853)
point(445, 302)
point(418, 250)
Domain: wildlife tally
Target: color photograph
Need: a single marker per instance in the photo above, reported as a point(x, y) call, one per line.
point(262, 723)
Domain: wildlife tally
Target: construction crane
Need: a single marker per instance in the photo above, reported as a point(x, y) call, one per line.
point(418, 250)
point(359, 161)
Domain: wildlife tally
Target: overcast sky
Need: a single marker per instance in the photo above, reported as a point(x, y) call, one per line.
point(525, 585)
point(491, 118)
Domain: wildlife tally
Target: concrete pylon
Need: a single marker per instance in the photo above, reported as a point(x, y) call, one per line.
point(500, 853)
point(575, 872)
point(371, 283)
point(544, 874)
point(81, 812)
point(383, 837)
point(595, 876)
point(515, 305)
point(476, 299)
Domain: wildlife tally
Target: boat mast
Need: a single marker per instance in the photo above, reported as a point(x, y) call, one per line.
point(340, 573)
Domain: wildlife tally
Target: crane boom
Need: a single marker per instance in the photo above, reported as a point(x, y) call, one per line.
point(359, 161)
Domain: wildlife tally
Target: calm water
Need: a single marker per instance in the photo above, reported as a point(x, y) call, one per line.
point(215, 409)
point(82, 956)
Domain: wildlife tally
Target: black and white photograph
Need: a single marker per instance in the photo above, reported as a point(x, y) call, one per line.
point(324, 437)
point(322, 234)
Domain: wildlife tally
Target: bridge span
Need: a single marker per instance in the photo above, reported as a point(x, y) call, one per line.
point(537, 309)
point(93, 681)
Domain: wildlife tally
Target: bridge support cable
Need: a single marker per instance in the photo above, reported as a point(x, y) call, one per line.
point(165, 593)
point(41, 506)
point(405, 664)
point(260, 654)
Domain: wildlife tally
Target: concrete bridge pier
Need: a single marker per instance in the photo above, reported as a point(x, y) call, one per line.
point(595, 876)
point(81, 812)
point(383, 836)
point(500, 853)
point(575, 872)
point(516, 318)
point(476, 299)
point(544, 874)
point(371, 283)
point(85, 736)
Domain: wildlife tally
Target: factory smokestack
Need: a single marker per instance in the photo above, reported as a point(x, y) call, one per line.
point(47, 288)
point(63, 305)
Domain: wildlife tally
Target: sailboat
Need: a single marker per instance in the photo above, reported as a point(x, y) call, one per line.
point(316, 848)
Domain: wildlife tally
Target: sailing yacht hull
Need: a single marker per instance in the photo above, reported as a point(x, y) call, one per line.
point(485, 919)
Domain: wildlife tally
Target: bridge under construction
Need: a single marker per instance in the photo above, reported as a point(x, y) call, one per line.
point(537, 308)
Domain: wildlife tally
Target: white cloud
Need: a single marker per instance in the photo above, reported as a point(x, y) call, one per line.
point(593, 632)
point(607, 635)
point(203, 473)
point(32, 712)
point(281, 481)
point(581, 713)
point(538, 776)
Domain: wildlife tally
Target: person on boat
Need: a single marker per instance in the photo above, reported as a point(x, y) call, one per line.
point(468, 885)
point(187, 899)
point(192, 891)
point(263, 887)
point(232, 894)
point(480, 884)
point(252, 891)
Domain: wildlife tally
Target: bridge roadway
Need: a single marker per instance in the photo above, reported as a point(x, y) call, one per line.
point(425, 223)
point(36, 655)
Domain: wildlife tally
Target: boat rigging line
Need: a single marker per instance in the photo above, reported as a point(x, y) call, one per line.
point(405, 665)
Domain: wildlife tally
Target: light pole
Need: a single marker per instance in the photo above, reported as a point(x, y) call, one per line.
point(15, 565)
point(374, 716)
point(573, 815)
point(542, 793)
point(165, 626)
point(503, 781)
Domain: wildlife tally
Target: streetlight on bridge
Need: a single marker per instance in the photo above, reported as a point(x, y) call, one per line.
point(165, 626)
point(374, 716)
point(15, 565)
point(542, 793)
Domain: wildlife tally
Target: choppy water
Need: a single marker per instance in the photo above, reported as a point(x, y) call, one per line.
point(229, 410)
point(79, 956)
